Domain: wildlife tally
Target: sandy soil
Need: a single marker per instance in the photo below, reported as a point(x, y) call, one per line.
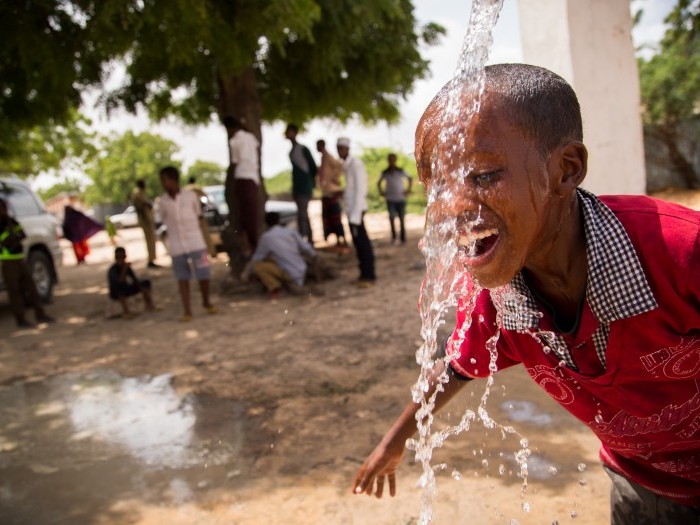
point(319, 378)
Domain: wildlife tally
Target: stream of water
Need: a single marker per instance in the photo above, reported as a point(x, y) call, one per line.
point(444, 282)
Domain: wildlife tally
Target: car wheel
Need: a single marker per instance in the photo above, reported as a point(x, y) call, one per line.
point(41, 270)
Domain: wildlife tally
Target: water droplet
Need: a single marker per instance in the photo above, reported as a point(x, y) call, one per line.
point(476, 371)
point(456, 475)
point(598, 418)
point(286, 312)
point(552, 470)
point(526, 506)
point(501, 469)
point(581, 467)
point(481, 318)
point(485, 463)
point(513, 522)
point(574, 514)
point(582, 482)
point(472, 361)
point(524, 443)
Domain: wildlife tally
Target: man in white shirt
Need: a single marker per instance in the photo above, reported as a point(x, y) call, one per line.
point(180, 211)
point(243, 182)
point(355, 207)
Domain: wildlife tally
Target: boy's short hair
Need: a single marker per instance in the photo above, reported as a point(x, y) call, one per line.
point(170, 172)
point(538, 101)
point(119, 250)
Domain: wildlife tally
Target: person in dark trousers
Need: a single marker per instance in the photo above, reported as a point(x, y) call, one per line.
point(303, 180)
point(15, 274)
point(392, 185)
point(355, 208)
point(123, 283)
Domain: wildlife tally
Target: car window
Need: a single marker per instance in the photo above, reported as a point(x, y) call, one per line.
point(22, 201)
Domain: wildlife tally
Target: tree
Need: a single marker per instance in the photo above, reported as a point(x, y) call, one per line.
point(69, 185)
point(670, 84)
point(206, 173)
point(256, 59)
point(48, 146)
point(125, 159)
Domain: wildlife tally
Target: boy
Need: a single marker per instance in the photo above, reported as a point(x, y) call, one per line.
point(180, 211)
point(123, 283)
point(15, 274)
point(611, 285)
point(394, 191)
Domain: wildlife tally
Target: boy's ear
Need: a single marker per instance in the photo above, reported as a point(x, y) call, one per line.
point(570, 162)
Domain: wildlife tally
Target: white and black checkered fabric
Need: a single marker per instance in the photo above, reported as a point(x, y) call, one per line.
point(616, 289)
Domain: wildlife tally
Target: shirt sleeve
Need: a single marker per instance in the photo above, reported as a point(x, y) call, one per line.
point(468, 348)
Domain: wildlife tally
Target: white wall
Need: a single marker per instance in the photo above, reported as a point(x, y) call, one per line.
point(589, 43)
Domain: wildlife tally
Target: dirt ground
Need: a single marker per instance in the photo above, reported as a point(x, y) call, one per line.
point(305, 386)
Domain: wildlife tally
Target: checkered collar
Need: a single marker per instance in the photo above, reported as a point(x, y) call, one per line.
point(617, 287)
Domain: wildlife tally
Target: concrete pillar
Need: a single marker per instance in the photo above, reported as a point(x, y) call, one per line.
point(589, 43)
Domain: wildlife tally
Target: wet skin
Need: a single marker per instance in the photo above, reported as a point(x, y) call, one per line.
point(520, 206)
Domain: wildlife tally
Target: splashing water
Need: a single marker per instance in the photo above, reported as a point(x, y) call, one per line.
point(444, 282)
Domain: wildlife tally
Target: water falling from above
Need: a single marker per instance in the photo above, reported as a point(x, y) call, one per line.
point(444, 282)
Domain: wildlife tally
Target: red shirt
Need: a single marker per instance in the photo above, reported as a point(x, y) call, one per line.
point(640, 393)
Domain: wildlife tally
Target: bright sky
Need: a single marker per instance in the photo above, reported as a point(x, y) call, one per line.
point(209, 142)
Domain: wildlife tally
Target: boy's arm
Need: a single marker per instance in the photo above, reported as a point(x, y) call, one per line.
point(385, 458)
point(410, 183)
point(379, 185)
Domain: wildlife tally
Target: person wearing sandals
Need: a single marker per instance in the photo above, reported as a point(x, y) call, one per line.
point(180, 212)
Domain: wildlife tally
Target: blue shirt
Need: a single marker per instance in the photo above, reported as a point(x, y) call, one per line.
point(285, 247)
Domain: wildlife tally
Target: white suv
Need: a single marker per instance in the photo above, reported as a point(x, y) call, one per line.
point(41, 249)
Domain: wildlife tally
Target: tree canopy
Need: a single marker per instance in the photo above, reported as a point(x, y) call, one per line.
point(256, 59)
point(206, 173)
point(670, 83)
point(123, 160)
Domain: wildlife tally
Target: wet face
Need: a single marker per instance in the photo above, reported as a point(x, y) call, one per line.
point(497, 189)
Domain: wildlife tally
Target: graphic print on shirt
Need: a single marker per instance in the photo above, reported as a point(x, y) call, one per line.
point(558, 387)
point(675, 362)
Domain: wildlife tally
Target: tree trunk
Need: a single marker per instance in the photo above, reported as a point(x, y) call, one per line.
point(669, 136)
point(238, 97)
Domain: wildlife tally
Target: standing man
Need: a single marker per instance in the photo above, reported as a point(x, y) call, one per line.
point(303, 180)
point(144, 212)
point(395, 192)
point(15, 273)
point(329, 173)
point(180, 212)
point(355, 207)
point(243, 182)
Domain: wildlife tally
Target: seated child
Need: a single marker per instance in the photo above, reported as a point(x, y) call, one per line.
point(123, 283)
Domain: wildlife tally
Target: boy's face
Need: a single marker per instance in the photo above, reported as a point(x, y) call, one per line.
point(500, 196)
point(120, 258)
point(168, 184)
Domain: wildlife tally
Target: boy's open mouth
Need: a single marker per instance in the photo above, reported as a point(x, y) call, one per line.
point(478, 242)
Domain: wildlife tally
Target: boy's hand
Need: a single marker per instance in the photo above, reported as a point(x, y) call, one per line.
point(380, 464)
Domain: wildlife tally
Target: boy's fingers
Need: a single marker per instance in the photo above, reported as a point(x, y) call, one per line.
point(380, 486)
point(392, 484)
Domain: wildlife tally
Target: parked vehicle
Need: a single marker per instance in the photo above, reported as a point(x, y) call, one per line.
point(286, 209)
point(126, 219)
point(42, 252)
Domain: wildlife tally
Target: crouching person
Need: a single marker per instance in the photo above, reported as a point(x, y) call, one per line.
point(123, 284)
point(278, 260)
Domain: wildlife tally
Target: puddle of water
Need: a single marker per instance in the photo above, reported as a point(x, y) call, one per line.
point(72, 445)
point(526, 412)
